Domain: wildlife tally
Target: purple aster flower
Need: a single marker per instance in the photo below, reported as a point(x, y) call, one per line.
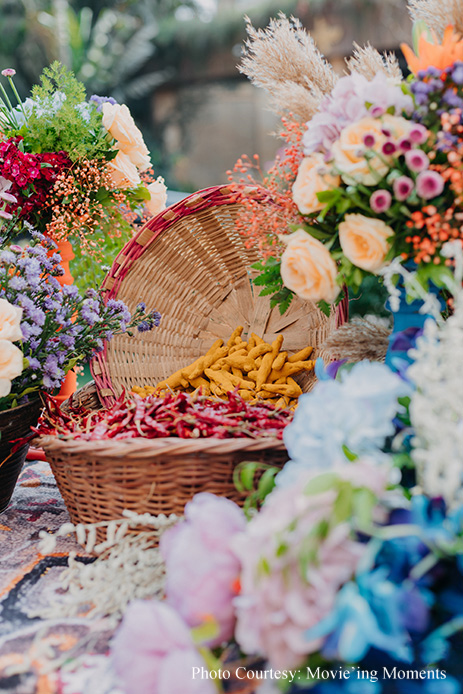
point(26, 330)
point(51, 304)
point(144, 326)
point(380, 201)
point(70, 290)
point(37, 316)
point(403, 186)
point(452, 99)
point(91, 294)
point(100, 100)
point(429, 184)
point(89, 315)
point(67, 340)
point(457, 73)
point(416, 160)
point(7, 257)
point(141, 307)
point(156, 316)
point(34, 363)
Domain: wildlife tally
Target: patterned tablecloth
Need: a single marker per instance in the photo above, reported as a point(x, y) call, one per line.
point(28, 580)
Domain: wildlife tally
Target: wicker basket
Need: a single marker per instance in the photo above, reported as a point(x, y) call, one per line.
point(100, 479)
point(192, 264)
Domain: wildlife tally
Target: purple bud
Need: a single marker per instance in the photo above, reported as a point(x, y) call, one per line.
point(380, 201)
point(369, 140)
point(403, 186)
point(376, 111)
point(418, 134)
point(389, 148)
point(416, 160)
point(404, 144)
point(429, 184)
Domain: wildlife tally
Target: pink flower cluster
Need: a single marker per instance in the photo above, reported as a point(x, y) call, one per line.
point(153, 652)
point(428, 184)
point(202, 571)
point(347, 104)
point(279, 600)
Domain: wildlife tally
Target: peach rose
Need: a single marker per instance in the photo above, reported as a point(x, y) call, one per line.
point(118, 121)
point(364, 241)
point(123, 173)
point(11, 365)
point(158, 199)
point(139, 156)
point(308, 269)
point(312, 178)
point(10, 320)
point(399, 127)
point(349, 153)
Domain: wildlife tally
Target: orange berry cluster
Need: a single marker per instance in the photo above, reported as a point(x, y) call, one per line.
point(263, 224)
point(75, 207)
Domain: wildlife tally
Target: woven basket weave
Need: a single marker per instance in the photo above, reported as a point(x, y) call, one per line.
point(100, 479)
point(193, 266)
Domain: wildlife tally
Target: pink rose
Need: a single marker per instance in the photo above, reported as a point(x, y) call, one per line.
point(201, 568)
point(153, 652)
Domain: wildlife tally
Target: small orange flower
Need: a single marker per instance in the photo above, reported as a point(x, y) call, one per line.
point(439, 55)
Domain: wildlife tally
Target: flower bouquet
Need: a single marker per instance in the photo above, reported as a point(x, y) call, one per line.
point(45, 331)
point(74, 165)
point(372, 171)
point(349, 578)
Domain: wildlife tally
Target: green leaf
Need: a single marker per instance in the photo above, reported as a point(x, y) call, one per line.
point(318, 234)
point(206, 631)
point(329, 195)
point(324, 307)
point(349, 454)
point(364, 502)
point(245, 481)
point(321, 483)
point(267, 482)
point(342, 508)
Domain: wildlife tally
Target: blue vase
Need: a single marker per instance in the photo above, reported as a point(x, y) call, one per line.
point(408, 324)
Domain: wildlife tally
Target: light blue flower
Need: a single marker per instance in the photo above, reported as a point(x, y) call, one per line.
point(355, 412)
point(355, 625)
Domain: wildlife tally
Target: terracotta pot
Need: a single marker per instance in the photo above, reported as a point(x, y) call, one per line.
point(14, 424)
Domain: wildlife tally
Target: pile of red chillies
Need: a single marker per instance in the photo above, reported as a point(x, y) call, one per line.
point(182, 415)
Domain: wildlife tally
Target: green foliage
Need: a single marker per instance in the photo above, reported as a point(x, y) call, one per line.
point(257, 480)
point(61, 121)
point(88, 271)
point(270, 279)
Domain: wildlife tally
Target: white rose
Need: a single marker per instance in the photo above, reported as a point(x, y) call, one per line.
point(10, 321)
point(123, 173)
point(11, 364)
point(158, 199)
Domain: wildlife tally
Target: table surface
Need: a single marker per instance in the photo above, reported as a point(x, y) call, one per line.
point(28, 580)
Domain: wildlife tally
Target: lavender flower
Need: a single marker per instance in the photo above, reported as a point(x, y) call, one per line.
point(100, 100)
point(59, 326)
